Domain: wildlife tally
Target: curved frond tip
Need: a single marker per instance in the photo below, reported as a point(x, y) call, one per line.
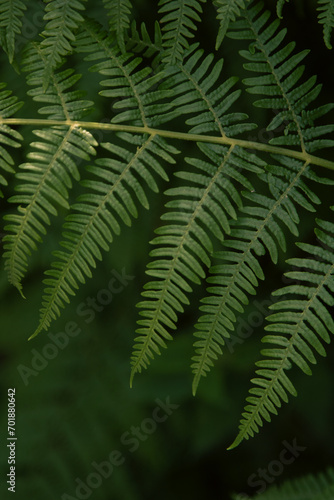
point(301, 323)
point(178, 24)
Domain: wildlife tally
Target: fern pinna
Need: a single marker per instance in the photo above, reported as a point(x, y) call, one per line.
point(232, 199)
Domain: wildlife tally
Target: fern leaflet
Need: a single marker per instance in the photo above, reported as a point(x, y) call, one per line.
point(11, 12)
point(119, 22)
point(119, 178)
point(132, 87)
point(63, 19)
point(301, 320)
point(183, 256)
point(251, 236)
point(280, 73)
point(326, 17)
point(178, 25)
point(9, 105)
point(204, 205)
point(227, 11)
point(46, 178)
point(98, 213)
point(279, 7)
point(142, 43)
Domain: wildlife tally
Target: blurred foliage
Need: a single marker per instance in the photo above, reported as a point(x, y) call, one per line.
point(76, 410)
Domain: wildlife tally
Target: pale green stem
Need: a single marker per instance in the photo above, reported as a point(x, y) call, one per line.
point(299, 155)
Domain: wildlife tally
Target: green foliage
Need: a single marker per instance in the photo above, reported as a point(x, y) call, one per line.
point(326, 17)
point(63, 19)
point(302, 320)
point(11, 12)
point(119, 12)
point(9, 105)
point(279, 7)
point(232, 199)
point(46, 178)
point(279, 74)
point(311, 487)
point(227, 11)
point(178, 24)
point(261, 230)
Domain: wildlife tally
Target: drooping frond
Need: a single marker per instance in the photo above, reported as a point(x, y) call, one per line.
point(326, 17)
point(144, 105)
point(111, 200)
point(133, 87)
point(63, 19)
point(278, 82)
point(302, 320)
point(310, 487)
point(178, 25)
point(46, 177)
point(11, 12)
point(199, 210)
point(227, 11)
point(119, 19)
point(195, 92)
point(9, 105)
point(261, 230)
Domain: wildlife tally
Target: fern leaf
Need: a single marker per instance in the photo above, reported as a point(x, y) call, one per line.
point(279, 7)
point(326, 17)
point(238, 276)
point(63, 19)
point(142, 42)
point(195, 93)
point(194, 87)
point(9, 105)
point(11, 12)
point(301, 321)
point(119, 12)
point(110, 201)
point(46, 178)
point(203, 206)
point(278, 82)
point(134, 88)
point(227, 11)
point(179, 17)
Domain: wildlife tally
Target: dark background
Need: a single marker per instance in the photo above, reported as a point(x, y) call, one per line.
point(75, 410)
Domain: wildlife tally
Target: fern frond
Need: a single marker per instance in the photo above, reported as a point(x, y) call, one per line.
point(279, 82)
point(227, 11)
point(63, 19)
point(9, 105)
point(132, 87)
point(46, 178)
point(301, 321)
point(11, 12)
point(119, 19)
point(178, 24)
point(326, 17)
point(62, 104)
point(194, 86)
point(203, 206)
point(111, 201)
point(142, 42)
point(261, 230)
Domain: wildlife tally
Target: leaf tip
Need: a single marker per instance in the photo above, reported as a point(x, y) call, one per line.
point(235, 443)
